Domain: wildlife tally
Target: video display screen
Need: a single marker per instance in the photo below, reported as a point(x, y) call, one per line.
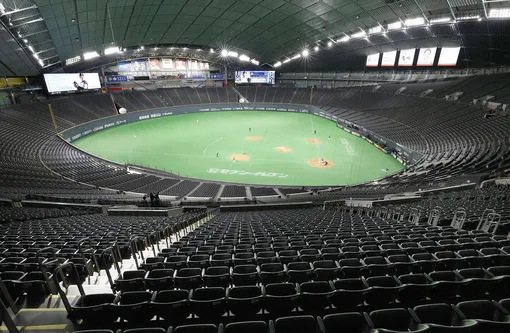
point(372, 60)
point(426, 56)
point(267, 77)
point(449, 56)
point(406, 58)
point(71, 82)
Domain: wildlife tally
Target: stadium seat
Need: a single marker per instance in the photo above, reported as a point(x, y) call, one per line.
point(134, 306)
point(245, 275)
point(247, 327)
point(348, 293)
point(197, 328)
point(352, 322)
point(382, 290)
point(281, 298)
point(490, 316)
point(273, 273)
point(245, 301)
point(298, 324)
point(414, 288)
point(188, 278)
point(208, 303)
point(300, 272)
point(159, 279)
point(394, 320)
point(315, 296)
point(217, 276)
point(440, 317)
point(171, 305)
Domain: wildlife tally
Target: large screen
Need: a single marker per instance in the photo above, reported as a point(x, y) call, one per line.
point(69, 82)
point(255, 77)
point(426, 56)
point(388, 59)
point(406, 57)
point(373, 60)
point(449, 56)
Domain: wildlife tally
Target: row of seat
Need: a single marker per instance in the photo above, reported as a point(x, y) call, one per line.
point(477, 316)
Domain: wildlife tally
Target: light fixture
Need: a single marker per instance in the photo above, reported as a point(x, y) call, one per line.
point(31, 48)
point(244, 57)
point(73, 20)
point(36, 56)
point(211, 50)
point(468, 17)
point(479, 19)
point(375, 30)
point(296, 56)
point(440, 20)
point(414, 21)
point(141, 47)
point(224, 53)
point(184, 48)
point(25, 40)
point(305, 53)
point(41, 63)
point(316, 48)
point(359, 34)
point(233, 54)
point(343, 39)
point(286, 60)
point(278, 64)
point(330, 43)
point(90, 55)
point(199, 50)
point(111, 50)
point(499, 13)
point(73, 60)
point(255, 62)
point(395, 25)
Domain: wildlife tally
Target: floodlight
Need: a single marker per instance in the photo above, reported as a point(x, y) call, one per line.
point(286, 60)
point(296, 56)
point(233, 54)
point(41, 63)
point(111, 50)
point(395, 25)
point(440, 20)
point(305, 53)
point(141, 47)
point(375, 30)
point(343, 39)
point(224, 53)
point(330, 43)
point(36, 55)
point(25, 40)
point(415, 21)
point(90, 55)
point(244, 57)
point(211, 50)
point(31, 48)
point(499, 13)
point(359, 34)
point(468, 17)
point(278, 64)
point(316, 48)
point(255, 62)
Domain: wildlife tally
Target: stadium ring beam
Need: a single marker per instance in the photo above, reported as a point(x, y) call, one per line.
point(252, 143)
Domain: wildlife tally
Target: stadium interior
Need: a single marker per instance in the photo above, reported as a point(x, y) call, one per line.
point(91, 245)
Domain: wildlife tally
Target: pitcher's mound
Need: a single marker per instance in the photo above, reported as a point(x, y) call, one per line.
point(253, 138)
point(239, 157)
point(316, 163)
point(283, 149)
point(314, 141)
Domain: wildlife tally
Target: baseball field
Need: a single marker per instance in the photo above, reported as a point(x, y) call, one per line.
point(249, 147)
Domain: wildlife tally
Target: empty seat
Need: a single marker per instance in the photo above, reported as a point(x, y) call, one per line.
point(171, 304)
point(300, 272)
point(382, 290)
point(208, 303)
point(197, 328)
point(446, 287)
point(297, 324)
point(281, 298)
point(130, 281)
point(315, 296)
point(415, 288)
point(394, 320)
point(351, 322)
point(326, 270)
point(245, 300)
point(348, 292)
point(491, 317)
point(217, 276)
point(188, 278)
point(376, 266)
point(247, 327)
point(351, 267)
point(441, 317)
point(244, 275)
point(160, 279)
point(273, 273)
point(134, 306)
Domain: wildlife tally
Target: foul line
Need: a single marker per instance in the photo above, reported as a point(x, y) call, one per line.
point(315, 138)
point(203, 154)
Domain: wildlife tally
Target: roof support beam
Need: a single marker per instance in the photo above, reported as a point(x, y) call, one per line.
point(18, 10)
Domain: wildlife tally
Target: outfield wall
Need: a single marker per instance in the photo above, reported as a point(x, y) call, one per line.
point(90, 127)
point(85, 129)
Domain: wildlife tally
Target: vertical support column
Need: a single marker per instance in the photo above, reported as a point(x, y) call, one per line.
point(53, 117)
point(311, 95)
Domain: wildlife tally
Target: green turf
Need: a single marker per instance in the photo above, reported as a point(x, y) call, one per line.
point(183, 146)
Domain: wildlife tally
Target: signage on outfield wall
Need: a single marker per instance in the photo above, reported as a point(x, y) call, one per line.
point(116, 78)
